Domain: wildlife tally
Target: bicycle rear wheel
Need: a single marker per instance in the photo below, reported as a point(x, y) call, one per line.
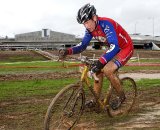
point(130, 90)
point(65, 109)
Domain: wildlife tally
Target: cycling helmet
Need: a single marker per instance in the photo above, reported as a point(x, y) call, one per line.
point(86, 13)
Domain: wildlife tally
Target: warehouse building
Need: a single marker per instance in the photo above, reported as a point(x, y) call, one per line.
point(44, 39)
point(139, 41)
point(50, 40)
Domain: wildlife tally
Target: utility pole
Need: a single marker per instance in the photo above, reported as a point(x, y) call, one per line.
point(153, 27)
point(135, 28)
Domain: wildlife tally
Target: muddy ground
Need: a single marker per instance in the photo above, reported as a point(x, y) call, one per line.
point(58, 75)
point(145, 115)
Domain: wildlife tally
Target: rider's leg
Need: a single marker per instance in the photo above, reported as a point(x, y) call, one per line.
point(97, 89)
point(110, 72)
point(98, 85)
point(112, 66)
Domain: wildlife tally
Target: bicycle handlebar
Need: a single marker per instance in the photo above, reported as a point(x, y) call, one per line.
point(85, 60)
point(89, 63)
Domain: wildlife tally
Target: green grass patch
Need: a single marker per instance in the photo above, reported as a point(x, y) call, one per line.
point(145, 60)
point(33, 67)
point(150, 60)
point(32, 88)
point(137, 68)
point(20, 56)
point(52, 66)
point(31, 115)
point(24, 58)
point(147, 83)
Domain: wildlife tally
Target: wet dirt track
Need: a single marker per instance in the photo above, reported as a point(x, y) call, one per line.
point(146, 114)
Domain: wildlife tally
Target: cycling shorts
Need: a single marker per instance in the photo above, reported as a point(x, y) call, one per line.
point(123, 56)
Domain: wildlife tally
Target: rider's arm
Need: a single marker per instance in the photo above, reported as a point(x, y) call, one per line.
point(82, 45)
point(112, 41)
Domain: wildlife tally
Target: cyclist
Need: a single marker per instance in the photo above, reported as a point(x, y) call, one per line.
point(120, 48)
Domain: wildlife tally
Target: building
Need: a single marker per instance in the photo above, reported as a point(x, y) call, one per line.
point(44, 39)
point(145, 41)
point(139, 41)
point(48, 39)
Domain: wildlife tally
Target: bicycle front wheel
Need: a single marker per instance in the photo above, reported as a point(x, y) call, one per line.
point(65, 109)
point(130, 90)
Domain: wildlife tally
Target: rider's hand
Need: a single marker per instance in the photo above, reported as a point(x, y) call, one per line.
point(97, 67)
point(63, 53)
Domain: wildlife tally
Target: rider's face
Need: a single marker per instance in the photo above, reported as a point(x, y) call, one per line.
point(90, 25)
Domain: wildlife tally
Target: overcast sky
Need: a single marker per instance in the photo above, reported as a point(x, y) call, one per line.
point(21, 16)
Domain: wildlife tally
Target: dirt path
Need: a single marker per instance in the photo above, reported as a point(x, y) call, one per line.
point(145, 115)
point(35, 76)
point(138, 76)
point(148, 120)
point(149, 115)
point(58, 75)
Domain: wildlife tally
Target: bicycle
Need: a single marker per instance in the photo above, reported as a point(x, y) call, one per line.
point(68, 105)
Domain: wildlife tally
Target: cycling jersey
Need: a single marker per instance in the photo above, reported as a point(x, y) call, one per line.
point(114, 36)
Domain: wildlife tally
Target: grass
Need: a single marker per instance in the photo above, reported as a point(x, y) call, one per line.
point(30, 115)
point(150, 60)
point(14, 63)
point(51, 66)
point(16, 56)
point(138, 68)
point(34, 67)
point(31, 88)
point(148, 83)
point(23, 58)
point(28, 105)
point(145, 60)
point(22, 115)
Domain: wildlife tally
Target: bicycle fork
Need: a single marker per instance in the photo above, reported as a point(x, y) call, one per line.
point(100, 103)
point(103, 104)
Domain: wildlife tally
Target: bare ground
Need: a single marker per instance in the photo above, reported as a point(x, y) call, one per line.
point(145, 115)
point(32, 76)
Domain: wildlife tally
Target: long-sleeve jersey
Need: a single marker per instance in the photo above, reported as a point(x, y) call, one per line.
point(109, 32)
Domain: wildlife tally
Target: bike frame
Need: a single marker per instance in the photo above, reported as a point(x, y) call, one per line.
point(84, 76)
point(84, 79)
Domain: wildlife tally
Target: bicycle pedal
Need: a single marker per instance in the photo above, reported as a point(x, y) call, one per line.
point(90, 104)
point(115, 104)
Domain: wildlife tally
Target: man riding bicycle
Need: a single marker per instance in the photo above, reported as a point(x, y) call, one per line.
point(112, 35)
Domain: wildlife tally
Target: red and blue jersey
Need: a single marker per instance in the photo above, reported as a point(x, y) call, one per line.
point(109, 32)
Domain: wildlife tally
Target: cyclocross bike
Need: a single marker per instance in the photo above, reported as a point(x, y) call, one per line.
point(68, 105)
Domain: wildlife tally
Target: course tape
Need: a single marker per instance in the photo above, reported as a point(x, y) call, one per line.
point(142, 64)
point(61, 66)
point(70, 66)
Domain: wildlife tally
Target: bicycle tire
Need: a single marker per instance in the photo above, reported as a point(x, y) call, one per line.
point(130, 90)
point(65, 109)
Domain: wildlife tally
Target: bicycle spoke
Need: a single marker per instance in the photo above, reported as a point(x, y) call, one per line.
point(65, 109)
point(130, 91)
